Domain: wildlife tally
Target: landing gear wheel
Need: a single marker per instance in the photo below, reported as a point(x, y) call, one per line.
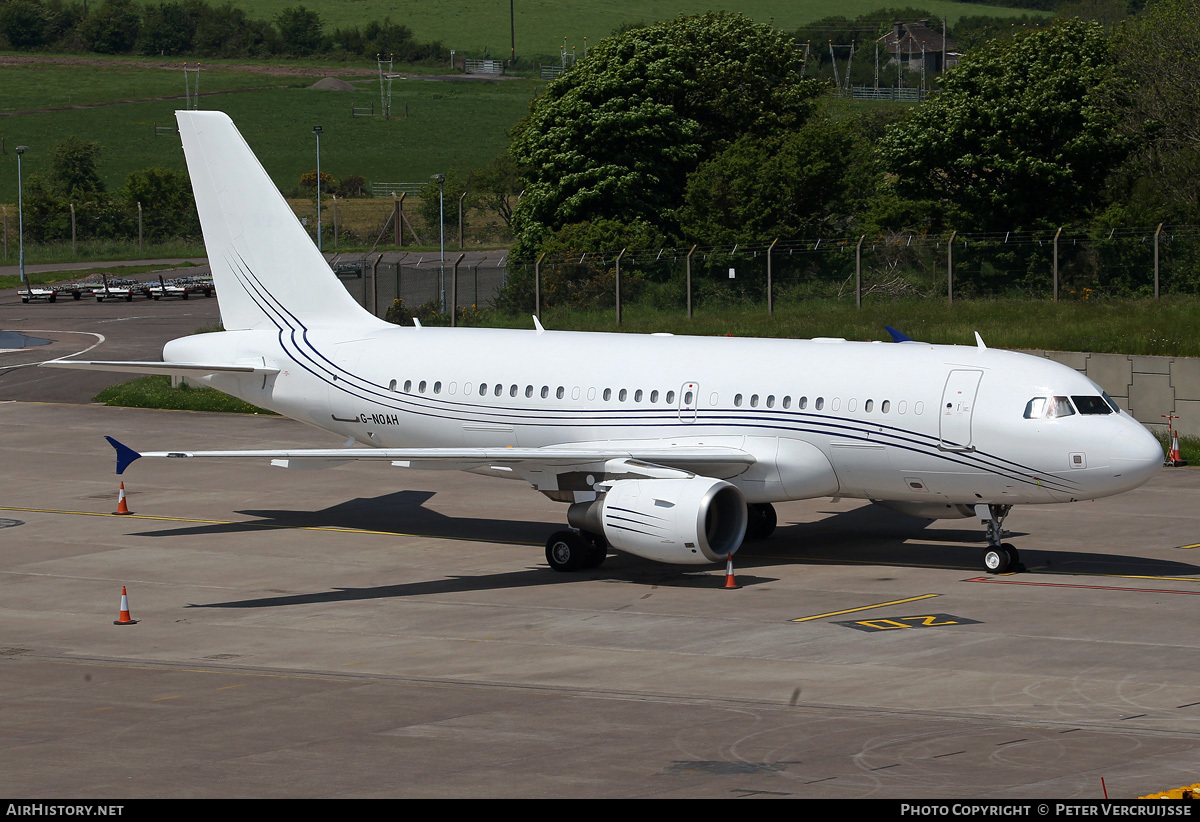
point(568, 550)
point(597, 550)
point(996, 560)
point(760, 520)
point(1014, 558)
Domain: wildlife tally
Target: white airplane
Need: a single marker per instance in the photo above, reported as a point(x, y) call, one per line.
point(671, 448)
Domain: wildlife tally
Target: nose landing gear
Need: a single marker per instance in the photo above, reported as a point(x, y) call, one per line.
point(999, 557)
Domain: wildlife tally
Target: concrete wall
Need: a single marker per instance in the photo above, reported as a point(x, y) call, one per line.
point(1147, 387)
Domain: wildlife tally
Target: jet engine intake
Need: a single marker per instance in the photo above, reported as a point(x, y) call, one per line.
point(689, 521)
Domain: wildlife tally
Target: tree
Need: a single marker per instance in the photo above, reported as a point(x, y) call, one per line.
point(73, 172)
point(1020, 136)
point(26, 23)
point(300, 30)
point(168, 207)
point(616, 136)
point(112, 28)
point(169, 28)
point(1157, 53)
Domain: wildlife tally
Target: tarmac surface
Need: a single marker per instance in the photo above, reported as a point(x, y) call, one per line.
point(369, 631)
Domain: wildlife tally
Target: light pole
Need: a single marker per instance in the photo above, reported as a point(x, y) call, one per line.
point(20, 216)
point(317, 131)
point(441, 181)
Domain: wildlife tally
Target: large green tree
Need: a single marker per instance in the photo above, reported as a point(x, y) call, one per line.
point(1020, 137)
point(617, 135)
point(1156, 52)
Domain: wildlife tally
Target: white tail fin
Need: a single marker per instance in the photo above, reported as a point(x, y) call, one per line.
point(265, 267)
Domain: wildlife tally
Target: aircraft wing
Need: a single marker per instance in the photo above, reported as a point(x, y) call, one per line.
point(181, 369)
point(692, 458)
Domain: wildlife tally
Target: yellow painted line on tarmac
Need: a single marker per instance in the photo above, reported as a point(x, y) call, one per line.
point(865, 607)
point(248, 523)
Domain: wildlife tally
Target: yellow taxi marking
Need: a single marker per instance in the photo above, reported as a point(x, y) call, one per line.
point(865, 608)
point(231, 687)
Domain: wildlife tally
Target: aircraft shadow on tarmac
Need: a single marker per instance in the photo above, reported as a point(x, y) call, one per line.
point(867, 535)
point(875, 535)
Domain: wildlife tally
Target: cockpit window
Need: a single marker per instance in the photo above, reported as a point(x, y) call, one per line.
point(1111, 402)
point(1091, 405)
point(1050, 408)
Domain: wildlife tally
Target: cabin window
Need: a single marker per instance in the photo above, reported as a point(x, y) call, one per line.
point(437, 387)
point(560, 392)
point(819, 404)
point(653, 396)
point(392, 385)
point(607, 394)
point(1091, 405)
point(787, 402)
point(754, 400)
point(737, 401)
point(851, 404)
point(869, 406)
point(512, 391)
point(545, 391)
point(670, 398)
point(483, 389)
point(637, 395)
point(770, 401)
point(885, 406)
point(919, 408)
point(407, 386)
point(528, 391)
point(624, 395)
point(421, 387)
point(803, 403)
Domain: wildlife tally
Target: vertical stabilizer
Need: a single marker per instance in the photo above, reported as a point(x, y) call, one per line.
point(265, 267)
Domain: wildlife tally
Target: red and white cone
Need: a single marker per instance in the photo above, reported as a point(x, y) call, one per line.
point(124, 618)
point(730, 582)
point(122, 506)
point(1174, 458)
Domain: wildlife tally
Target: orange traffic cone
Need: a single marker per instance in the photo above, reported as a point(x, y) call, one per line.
point(730, 582)
point(1175, 458)
point(122, 506)
point(124, 618)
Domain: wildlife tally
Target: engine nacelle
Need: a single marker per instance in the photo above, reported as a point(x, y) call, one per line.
point(689, 521)
point(928, 510)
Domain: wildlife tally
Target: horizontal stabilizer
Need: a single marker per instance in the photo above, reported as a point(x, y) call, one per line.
point(176, 369)
point(125, 454)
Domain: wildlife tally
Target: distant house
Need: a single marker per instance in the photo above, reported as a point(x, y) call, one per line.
point(917, 44)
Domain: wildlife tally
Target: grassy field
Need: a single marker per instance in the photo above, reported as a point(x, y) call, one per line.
point(479, 28)
point(449, 125)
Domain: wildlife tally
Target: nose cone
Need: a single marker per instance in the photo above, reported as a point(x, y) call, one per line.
point(1136, 456)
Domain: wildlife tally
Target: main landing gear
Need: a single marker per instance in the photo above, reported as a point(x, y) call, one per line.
point(575, 550)
point(760, 520)
point(999, 557)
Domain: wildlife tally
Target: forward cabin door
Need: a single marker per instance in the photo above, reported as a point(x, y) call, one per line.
point(689, 399)
point(958, 405)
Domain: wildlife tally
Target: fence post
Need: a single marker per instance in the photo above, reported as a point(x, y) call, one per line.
point(454, 291)
point(141, 246)
point(950, 268)
point(619, 256)
point(770, 300)
point(537, 286)
point(1056, 263)
point(335, 223)
point(689, 281)
point(375, 285)
point(858, 272)
point(72, 229)
point(1157, 232)
point(397, 227)
point(6, 232)
point(460, 220)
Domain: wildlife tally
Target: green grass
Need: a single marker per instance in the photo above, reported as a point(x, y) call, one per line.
point(476, 28)
point(156, 392)
point(1170, 327)
point(449, 125)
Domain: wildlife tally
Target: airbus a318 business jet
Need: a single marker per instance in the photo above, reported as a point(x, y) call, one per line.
point(671, 448)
